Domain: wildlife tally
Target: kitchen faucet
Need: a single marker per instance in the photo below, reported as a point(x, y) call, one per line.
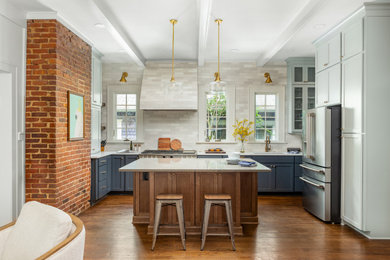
point(267, 144)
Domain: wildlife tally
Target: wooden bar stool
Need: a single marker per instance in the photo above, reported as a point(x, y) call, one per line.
point(169, 200)
point(218, 200)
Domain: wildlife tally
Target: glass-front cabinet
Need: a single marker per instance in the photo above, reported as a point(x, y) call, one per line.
point(300, 94)
point(303, 99)
point(304, 74)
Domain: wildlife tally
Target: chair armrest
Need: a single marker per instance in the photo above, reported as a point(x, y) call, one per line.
point(4, 233)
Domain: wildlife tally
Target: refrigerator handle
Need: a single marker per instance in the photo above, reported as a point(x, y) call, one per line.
point(309, 138)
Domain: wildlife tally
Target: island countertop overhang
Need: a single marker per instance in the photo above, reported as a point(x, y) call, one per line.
point(189, 165)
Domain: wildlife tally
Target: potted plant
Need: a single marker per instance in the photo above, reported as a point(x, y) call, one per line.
point(242, 130)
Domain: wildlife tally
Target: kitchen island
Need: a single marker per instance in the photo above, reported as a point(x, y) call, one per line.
point(194, 178)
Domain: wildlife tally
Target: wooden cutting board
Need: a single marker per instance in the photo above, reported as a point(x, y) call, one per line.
point(175, 144)
point(164, 144)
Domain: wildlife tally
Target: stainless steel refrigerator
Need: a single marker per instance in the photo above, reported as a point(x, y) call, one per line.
point(321, 167)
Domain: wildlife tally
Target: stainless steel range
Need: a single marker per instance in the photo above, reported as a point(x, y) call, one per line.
point(168, 154)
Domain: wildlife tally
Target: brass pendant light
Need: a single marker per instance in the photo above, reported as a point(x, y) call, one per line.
point(217, 84)
point(173, 22)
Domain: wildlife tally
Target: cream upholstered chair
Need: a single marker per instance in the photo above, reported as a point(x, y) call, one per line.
point(42, 232)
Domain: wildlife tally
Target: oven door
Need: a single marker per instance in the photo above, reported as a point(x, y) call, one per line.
point(317, 197)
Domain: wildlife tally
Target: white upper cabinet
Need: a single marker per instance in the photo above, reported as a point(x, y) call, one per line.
point(328, 85)
point(334, 92)
point(352, 40)
point(352, 94)
point(96, 87)
point(322, 87)
point(328, 53)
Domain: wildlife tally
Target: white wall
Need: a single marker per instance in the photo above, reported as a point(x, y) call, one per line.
point(12, 89)
point(184, 124)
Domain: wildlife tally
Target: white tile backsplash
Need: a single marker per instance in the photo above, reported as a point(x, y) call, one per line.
point(184, 124)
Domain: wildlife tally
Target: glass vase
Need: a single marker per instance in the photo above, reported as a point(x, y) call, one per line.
point(242, 147)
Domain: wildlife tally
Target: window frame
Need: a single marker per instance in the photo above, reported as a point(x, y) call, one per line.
point(112, 91)
point(230, 95)
point(276, 117)
point(279, 91)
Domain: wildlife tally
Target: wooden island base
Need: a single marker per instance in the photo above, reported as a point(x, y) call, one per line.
point(242, 186)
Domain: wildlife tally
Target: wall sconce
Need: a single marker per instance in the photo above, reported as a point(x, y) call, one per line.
point(124, 76)
point(268, 78)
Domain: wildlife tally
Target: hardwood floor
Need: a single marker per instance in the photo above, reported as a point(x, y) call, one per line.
point(286, 231)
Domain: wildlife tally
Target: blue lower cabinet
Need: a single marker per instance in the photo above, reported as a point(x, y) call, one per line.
point(128, 179)
point(117, 178)
point(100, 178)
point(282, 176)
point(298, 186)
point(266, 180)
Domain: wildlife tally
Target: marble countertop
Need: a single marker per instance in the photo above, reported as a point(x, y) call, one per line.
point(187, 165)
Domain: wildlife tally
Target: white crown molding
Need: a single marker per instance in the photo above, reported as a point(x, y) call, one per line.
point(52, 15)
point(114, 28)
point(303, 17)
point(204, 15)
point(11, 13)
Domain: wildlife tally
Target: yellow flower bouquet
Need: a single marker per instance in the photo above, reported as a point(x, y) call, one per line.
point(242, 130)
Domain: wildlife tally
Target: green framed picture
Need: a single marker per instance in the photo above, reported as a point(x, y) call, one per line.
point(76, 117)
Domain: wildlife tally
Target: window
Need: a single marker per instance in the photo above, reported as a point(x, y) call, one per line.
point(265, 116)
point(125, 116)
point(216, 116)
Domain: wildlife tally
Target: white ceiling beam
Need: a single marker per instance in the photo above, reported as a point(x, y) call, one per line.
point(119, 34)
point(293, 28)
point(204, 15)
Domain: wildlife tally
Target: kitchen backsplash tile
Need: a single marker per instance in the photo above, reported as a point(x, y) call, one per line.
point(184, 124)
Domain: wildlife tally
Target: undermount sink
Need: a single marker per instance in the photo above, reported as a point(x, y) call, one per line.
point(126, 151)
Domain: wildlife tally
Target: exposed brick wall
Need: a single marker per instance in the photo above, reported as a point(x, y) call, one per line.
point(57, 170)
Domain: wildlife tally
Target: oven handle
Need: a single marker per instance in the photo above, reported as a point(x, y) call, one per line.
point(312, 183)
point(311, 169)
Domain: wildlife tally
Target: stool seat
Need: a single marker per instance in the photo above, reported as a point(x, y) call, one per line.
point(217, 197)
point(169, 197)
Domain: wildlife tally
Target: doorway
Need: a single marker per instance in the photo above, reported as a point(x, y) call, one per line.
point(11, 149)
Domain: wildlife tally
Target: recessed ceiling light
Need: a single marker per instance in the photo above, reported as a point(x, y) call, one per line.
point(99, 25)
point(234, 50)
point(319, 26)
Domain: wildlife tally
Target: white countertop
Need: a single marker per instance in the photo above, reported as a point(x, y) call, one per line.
point(104, 154)
point(187, 165)
point(252, 154)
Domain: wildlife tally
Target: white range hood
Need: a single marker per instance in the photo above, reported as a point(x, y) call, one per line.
point(157, 92)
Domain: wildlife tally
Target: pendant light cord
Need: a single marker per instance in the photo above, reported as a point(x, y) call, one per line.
point(173, 22)
point(219, 73)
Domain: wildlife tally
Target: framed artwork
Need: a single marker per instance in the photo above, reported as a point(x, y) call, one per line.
point(75, 117)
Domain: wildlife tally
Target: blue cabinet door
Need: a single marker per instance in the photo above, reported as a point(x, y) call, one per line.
point(266, 180)
point(284, 177)
point(117, 178)
point(128, 176)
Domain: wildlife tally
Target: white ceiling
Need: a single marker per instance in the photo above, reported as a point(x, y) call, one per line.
point(265, 31)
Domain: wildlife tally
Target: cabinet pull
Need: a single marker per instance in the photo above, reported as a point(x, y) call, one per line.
point(326, 102)
point(326, 64)
point(104, 161)
point(104, 172)
point(103, 188)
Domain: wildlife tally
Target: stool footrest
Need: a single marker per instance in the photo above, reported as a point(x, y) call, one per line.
point(218, 234)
